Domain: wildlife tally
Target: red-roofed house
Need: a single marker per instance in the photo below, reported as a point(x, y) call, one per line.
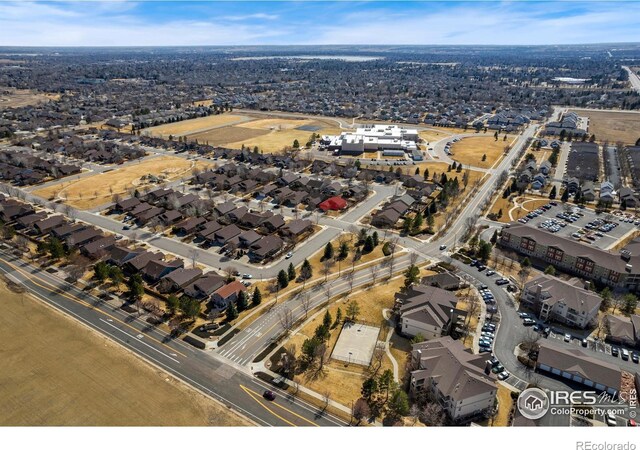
point(227, 294)
point(333, 204)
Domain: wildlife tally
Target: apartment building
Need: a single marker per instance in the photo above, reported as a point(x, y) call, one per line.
point(561, 301)
point(617, 270)
point(459, 380)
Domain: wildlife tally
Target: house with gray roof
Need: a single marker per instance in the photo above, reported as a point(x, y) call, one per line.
point(623, 330)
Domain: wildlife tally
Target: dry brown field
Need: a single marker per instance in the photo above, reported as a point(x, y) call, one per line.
point(18, 98)
point(191, 126)
point(613, 126)
point(55, 372)
point(96, 190)
point(469, 150)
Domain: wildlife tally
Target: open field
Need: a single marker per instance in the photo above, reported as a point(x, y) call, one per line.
point(437, 133)
point(192, 126)
point(613, 126)
point(222, 136)
point(278, 133)
point(98, 189)
point(85, 379)
point(520, 208)
point(18, 98)
point(469, 150)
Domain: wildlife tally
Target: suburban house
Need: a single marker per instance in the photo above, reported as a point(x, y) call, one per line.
point(427, 311)
point(459, 380)
point(228, 293)
point(333, 204)
point(561, 301)
point(48, 224)
point(178, 279)
point(204, 286)
point(628, 196)
point(574, 364)
point(157, 269)
point(296, 228)
point(265, 248)
point(623, 330)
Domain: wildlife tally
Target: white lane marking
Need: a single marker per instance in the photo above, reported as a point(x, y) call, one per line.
point(143, 343)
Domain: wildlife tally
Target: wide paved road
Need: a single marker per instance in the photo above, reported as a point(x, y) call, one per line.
point(222, 381)
point(634, 79)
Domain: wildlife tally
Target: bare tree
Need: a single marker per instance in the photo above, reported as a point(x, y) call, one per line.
point(413, 258)
point(230, 271)
point(373, 270)
point(286, 320)
point(350, 278)
point(194, 254)
point(326, 268)
point(327, 291)
point(305, 301)
point(326, 398)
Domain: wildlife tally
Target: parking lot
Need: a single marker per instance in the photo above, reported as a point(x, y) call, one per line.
point(584, 225)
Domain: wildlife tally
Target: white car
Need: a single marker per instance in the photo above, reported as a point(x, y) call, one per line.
point(567, 337)
point(289, 255)
point(503, 375)
point(610, 419)
point(247, 276)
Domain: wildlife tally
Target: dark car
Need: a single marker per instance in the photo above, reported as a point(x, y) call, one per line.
point(126, 227)
point(635, 357)
point(615, 351)
point(269, 395)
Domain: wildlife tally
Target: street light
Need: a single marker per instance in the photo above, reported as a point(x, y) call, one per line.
point(349, 359)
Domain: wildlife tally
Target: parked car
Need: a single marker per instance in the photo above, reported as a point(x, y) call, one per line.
point(126, 227)
point(289, 255)
point(567, 337)
point(489, 273)
point(527, 322)
point(498, 368)
point(610, 419)
point(247, 276)
point(502, 281)
point(503, 375)
point(584, 343)
point(443, 247)
point(615, 351)
point(635, 357)
point(210, 327)
point(625, 354)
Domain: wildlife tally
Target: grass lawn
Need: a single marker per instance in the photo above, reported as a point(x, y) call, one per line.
point(192, 126)
point(504, 407)
point(344, 381)
point(469, 150)
point(613, 126)
point(98, 189)
point(52, 385)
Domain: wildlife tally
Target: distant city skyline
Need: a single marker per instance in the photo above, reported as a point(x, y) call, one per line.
point(180, 23)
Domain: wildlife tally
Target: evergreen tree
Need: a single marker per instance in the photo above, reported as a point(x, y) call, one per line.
point(173, 303)
point(343, 252)
point(328, 251)
point(291, 272)
point(565, 196)
point(101, 271)
point(232, 312)
point(136, 287)
point(553, 193)
point(306, 271)
point(257, 297)
point(242, 302)
point(368, 245)
point(376, 239)
point(283, 279)
point(338, 318)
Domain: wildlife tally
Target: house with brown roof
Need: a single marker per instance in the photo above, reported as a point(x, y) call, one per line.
point(459, 380)
point(139, 262)
point(561, 301)
point(266, 247)
point(126, 205)
point(296, 228)
point(146, 216)
point(83, 236)
point(274, 223)
point(623, 330)
point(170, 217)
point(66, 229)
point(99, 247)
point(189, 225)
point(428, 311)
point(29, 219)
point(119, 255)
point(178, 279)
point(204, 286)
point(159, 268)
point(224, 235)
point(46, 225)
point(228, 293)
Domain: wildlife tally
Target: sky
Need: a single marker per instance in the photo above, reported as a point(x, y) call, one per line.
point(182, 23)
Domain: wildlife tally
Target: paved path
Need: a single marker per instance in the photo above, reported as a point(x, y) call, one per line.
point(634, 79)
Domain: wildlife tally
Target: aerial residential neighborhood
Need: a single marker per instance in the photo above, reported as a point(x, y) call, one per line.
point(210, 217)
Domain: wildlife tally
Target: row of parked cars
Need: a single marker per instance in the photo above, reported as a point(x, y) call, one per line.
point(625, 355)
point(486, 337)
point(537, 212)
point(498, 368)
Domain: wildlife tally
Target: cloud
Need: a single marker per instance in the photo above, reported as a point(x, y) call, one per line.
point(256, 16)
point(122, 22)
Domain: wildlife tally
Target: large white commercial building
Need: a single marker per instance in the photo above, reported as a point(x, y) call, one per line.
point(374, 138)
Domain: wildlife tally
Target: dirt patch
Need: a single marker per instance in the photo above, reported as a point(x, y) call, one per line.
point(613, 126)
point(99, 189)
point(79, 380)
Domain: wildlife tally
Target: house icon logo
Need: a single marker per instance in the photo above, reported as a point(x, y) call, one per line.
point(533, 403)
